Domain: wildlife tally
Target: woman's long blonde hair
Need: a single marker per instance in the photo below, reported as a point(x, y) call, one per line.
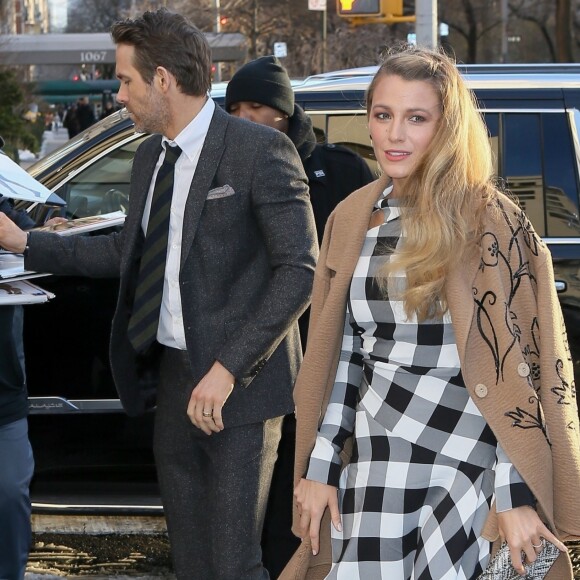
point(444, 197)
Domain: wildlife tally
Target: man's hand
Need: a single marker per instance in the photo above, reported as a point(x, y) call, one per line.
point(312, 497)
point(208, 398)
point(55, 221)
point(12, 238)
point(523, 530)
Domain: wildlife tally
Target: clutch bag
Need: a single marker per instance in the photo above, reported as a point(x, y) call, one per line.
point(500, 567)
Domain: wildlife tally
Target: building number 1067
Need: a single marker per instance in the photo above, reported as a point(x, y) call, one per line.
point(93, 56)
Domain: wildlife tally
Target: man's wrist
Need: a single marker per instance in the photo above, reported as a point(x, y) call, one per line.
point(26, 245)
point(224, 372)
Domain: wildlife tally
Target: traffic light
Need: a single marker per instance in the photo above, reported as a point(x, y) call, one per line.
point(356, 8)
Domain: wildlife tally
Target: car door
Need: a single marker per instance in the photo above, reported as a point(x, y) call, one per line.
point(89, 455)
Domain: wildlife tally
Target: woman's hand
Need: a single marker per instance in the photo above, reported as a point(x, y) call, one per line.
point(523, 531)
point(312, 498)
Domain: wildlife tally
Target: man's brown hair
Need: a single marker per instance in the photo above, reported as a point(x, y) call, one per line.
point(164, 38)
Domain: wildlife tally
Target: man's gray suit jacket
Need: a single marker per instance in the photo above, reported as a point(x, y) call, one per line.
point(247, 261)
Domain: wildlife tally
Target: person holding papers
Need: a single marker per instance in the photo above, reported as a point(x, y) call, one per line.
point(15, 450)
point(16, 456)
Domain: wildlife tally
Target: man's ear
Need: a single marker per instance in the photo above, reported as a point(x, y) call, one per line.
point(163, 77)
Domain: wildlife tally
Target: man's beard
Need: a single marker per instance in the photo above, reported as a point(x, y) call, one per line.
point(155, 119)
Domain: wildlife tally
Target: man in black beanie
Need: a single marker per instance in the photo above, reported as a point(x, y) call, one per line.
point(260, 91)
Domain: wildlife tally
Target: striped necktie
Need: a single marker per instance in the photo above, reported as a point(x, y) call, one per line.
point(144, 320)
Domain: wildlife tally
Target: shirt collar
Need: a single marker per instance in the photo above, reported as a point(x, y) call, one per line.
point(384, 196)
point(192, 136)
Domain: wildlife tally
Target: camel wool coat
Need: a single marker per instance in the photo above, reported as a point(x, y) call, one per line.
point(514, 357)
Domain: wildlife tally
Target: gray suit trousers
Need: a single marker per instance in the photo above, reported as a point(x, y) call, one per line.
point(214, 488)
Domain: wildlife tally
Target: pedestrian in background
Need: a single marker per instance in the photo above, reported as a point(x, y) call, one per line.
point(85, 114)
point(261, 91)
point(437, 361)
point(70, 121)
point(108, 109)
point(216, 260)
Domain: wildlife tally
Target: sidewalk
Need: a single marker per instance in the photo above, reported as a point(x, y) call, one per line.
point(52, 140)
point(100, 547)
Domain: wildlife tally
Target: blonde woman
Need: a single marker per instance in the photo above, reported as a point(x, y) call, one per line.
point(437, 372)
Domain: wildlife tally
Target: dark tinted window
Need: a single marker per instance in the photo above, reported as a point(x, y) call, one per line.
point(560, 177)
point(536, 159)
point(522, 164)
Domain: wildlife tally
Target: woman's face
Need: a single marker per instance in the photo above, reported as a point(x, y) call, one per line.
point(404, 117)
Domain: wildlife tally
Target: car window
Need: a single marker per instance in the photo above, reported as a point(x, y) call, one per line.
point(522, 164)
point(349, 130)
point(560, 177)
point(103, 186)
point(541, 175)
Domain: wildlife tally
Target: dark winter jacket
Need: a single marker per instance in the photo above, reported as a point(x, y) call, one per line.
point(333, 173)
point(20, 218)
point(13, 396)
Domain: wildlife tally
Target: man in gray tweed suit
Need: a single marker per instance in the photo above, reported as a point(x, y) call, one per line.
point(241, 252)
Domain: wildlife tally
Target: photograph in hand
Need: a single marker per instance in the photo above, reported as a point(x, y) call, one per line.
point(84, 224)
point(22, 292)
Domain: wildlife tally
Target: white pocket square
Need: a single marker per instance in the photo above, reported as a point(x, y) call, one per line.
point(219, 192)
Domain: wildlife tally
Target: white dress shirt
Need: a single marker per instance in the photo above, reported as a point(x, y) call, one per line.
point(191, 139)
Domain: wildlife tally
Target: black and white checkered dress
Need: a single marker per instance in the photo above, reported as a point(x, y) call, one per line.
point(425, 465)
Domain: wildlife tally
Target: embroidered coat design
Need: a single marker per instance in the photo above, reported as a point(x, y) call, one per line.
point(511, 259)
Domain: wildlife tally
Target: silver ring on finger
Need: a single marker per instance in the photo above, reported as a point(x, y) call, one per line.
point(540, 545)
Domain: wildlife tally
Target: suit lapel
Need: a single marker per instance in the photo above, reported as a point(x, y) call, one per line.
point(207, 166)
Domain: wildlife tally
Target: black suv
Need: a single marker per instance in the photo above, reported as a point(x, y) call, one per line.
point(89, 455)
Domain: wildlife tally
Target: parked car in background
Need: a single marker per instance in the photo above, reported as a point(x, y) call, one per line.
point(89, 454)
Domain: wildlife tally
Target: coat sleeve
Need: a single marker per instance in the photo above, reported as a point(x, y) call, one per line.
point(94, 256)
point(78, 255)
point(281, 206)
point(339, 418)
point(558, 396)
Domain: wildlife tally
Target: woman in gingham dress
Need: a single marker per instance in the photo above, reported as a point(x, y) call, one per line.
point(423, 459)
point(425, 465)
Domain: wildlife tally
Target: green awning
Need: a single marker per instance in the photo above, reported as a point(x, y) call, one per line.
point(75, 88)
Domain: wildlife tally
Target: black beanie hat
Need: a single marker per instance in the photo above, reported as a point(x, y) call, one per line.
point(263, 81)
